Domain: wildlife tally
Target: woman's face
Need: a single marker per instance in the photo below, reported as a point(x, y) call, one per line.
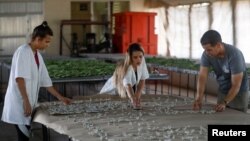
point(43, 43)
point(137, 58)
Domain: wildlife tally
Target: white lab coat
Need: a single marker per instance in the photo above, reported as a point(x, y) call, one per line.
point(24, 65)
point(129, 78)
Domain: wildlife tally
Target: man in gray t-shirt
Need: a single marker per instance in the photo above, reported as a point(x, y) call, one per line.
point(229, 66)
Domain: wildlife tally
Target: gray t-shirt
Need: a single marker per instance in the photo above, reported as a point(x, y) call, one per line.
point(232, 63)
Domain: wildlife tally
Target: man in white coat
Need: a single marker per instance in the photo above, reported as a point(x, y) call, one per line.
point(28, 74)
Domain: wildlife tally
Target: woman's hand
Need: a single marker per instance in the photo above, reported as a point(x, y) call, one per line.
point(27, 107)
point(65, 100)
point(138, 100)
point(133, 101)
point(53, 91)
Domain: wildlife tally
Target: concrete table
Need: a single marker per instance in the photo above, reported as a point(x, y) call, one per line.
point(106, 117)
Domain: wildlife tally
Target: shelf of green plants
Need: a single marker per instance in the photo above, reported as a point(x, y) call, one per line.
point(75, 69)
point(173, 64)
point(91, 68)
point(79, 69)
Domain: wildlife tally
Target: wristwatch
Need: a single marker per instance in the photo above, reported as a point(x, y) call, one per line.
point(225, 102)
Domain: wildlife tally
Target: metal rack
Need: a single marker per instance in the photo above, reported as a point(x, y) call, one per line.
point(76, 22)
point(182, 72)
point(83, 84)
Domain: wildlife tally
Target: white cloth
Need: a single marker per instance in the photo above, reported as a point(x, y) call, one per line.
point(24, 130)
point(24, 66)
point(109, 87)
point(129, 78)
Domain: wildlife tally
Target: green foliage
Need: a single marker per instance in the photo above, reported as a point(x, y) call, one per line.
point(171, 62)
point(248, 70)
point(78, 68)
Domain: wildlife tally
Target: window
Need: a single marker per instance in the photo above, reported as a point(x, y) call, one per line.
point(199, 25)
point(222, 20)
point(178, 31)
point(17, 20)
point(243, 27)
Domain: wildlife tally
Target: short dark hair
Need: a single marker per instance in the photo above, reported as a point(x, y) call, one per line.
point(134, 47)
point(42, 31)
point(211, 37)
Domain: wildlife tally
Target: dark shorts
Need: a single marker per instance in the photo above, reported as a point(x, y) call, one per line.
point(21, 136)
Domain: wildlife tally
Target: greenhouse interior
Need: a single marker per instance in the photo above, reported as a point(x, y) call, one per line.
point(124, 70)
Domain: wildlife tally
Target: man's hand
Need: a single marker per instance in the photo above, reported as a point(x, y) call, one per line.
point(197, 105)
point(220, 107)
point(27, 107)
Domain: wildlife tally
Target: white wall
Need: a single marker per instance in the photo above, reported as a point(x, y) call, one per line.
point(54, 12)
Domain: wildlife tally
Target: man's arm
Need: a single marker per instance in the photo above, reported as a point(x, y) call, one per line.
point(236, 80)
point(201, 84)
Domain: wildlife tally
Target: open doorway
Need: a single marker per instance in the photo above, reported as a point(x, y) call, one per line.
point(80, 11)
point(96, 35)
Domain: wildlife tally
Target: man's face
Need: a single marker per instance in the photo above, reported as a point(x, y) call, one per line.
point(212, 50)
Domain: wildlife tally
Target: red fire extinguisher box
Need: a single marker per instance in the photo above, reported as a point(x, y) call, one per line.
point(133, 27)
